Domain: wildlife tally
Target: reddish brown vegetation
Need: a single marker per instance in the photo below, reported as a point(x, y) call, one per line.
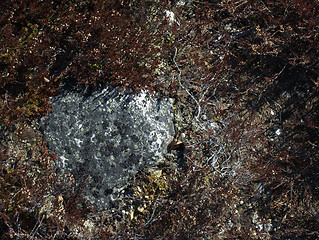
point(250, 66)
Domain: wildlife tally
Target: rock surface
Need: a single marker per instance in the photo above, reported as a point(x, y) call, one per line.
point(106, 137)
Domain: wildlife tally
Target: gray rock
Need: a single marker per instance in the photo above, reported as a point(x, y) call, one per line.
point(184, 2)
point(107, 137)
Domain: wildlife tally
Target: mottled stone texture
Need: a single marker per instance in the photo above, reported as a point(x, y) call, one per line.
point(107, 137)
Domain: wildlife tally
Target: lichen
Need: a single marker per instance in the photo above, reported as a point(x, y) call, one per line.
point(107, 137)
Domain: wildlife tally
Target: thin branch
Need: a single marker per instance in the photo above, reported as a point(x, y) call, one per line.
point(186, 90)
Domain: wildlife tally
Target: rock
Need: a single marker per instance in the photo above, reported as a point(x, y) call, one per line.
point(184, 2)
point(105, 138)
point(28, 135)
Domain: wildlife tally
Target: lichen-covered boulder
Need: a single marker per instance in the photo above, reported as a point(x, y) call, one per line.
point(107, 137)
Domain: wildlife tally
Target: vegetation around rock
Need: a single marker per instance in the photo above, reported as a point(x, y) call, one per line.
point(244, 76)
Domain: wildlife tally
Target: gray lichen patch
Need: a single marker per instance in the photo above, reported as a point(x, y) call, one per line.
point(107, 137)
